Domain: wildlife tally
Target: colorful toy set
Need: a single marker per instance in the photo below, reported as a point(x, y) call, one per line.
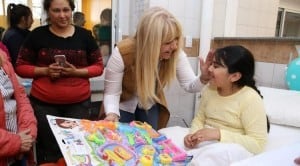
point(92, 143)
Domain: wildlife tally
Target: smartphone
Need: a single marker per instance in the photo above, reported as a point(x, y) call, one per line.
point(60, 59)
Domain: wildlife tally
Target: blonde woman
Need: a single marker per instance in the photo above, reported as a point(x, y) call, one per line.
point(141, 66)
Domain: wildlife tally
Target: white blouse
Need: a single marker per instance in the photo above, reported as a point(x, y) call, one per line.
point(10, 105)
point(114, 75)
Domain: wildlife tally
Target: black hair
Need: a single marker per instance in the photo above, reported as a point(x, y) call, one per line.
point(78, 18)
point(15, 12)
point(2, 29)
point(47, 4)
point(239, 59)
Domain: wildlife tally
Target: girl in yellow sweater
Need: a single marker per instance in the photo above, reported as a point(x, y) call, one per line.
point(231, 118)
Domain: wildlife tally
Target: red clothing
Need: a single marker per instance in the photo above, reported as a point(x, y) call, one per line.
point(10, 144)
point(80, 50)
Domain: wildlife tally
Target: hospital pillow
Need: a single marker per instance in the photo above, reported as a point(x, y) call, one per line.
point(282, 106)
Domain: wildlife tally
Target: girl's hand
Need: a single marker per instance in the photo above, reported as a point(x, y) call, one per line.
point(189, 142)
point(206, 134)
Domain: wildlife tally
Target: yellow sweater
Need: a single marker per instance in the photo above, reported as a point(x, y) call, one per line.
point(240, 117)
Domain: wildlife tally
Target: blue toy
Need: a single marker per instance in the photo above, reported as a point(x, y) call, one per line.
point(293, 75)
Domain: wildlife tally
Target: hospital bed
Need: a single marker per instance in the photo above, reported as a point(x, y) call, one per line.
point(283, 109)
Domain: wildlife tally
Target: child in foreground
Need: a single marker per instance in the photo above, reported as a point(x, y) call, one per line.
point(231, 122)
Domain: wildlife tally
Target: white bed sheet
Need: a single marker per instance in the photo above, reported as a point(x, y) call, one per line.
point(283, 156)
point(280, 136)
point(282, 147)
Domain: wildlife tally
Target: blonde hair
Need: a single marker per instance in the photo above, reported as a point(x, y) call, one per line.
point(156, 27)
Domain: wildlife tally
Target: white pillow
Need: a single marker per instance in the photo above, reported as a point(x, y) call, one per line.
point(282, 106)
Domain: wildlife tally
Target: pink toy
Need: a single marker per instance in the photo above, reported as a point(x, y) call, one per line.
point(169, 148)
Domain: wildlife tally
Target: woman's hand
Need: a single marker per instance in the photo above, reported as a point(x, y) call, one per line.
point(204, 78)
point(69, 70)
point(26, 140)
point(54, 71)
point(112, 117)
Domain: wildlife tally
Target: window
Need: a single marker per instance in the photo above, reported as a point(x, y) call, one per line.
point(288, 24)
point(279, 22)
point(36, 9)
point(1, 9)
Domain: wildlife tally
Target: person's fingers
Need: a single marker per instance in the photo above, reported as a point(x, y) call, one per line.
point(112, 117)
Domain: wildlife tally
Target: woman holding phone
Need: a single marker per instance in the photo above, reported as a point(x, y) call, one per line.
point(59, 90)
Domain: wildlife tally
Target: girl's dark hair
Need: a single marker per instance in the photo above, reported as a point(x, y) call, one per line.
point(16, 12)
point(47, 4)
point(239, 59)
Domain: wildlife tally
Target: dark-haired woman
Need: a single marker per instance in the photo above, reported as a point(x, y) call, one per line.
point(19, 19)
point(59, 90)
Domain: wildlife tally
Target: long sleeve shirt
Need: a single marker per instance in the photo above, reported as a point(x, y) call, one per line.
point(13, 39)
point(113, 82)
point(39, 49)
point(241, 117)
point(10, 143)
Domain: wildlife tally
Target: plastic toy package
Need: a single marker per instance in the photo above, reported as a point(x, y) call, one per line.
point(97, 143)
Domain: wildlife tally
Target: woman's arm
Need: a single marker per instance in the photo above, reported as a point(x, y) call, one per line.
point(186, 76)
point(113, 83)
point(10, 143)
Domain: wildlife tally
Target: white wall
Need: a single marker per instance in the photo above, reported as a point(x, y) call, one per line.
point(293, 5)
point(186, 11)
point(270, 75)
point(253, 18)
point(181, 103)
point(257, 18)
